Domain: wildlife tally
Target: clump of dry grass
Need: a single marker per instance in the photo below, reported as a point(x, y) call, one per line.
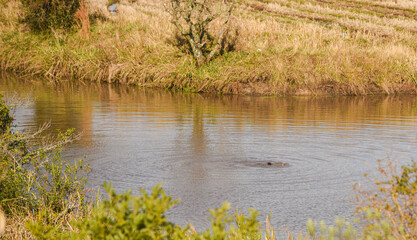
point(82, 20)
point(2, 223)
point(98, 8)
point(10, 13)
point(16, 229)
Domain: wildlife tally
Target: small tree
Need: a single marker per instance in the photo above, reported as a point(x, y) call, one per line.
point(192, 19)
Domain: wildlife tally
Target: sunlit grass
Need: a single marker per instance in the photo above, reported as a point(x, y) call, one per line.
point(282, 47)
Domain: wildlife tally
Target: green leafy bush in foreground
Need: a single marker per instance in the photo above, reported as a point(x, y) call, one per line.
point(124, 216)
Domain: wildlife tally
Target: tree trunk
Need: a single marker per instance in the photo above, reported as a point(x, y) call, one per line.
point(197, 53)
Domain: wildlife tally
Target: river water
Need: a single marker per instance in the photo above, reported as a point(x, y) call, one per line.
point(207, 149)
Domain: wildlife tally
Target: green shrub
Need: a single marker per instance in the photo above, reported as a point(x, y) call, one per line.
point(5, 116)
point(342, 230)
point(34, 179)
point(39, 179)
point(375, 228)
point(387, 213)
point(390, 212)
point(44, 15)
point(121, 216)
point(124, 216)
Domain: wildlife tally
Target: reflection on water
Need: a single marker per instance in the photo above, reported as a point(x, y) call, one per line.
point(207, 149)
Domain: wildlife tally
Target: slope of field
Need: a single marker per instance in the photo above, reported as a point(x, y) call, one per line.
point(275, 47)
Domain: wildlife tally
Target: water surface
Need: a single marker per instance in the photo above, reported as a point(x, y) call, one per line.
point(206, 149)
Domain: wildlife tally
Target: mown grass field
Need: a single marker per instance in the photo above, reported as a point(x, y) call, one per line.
point(278, 47)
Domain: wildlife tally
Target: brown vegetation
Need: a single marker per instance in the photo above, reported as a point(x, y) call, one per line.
point(2, 223)
point(83, 20)
point(394, 201)
point(280, 47)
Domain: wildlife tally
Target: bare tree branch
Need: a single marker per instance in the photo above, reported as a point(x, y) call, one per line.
point(221, 35)
point(192, 19)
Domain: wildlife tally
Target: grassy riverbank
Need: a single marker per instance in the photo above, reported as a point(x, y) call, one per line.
point(279, 47)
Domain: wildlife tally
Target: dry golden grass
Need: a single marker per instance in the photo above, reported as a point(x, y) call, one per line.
point(281, 47)
point(15, 229)
point(83, 21)
point(2, 223)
